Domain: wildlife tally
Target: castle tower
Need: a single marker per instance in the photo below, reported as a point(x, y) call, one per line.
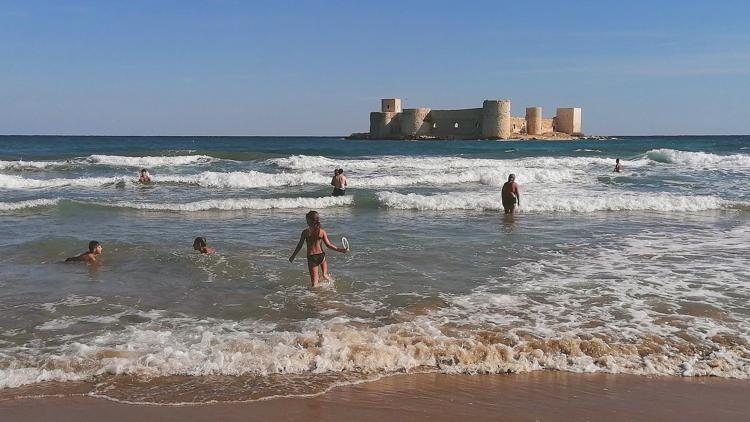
point(390, 105)
point(534, 120)
point(384, 125)
point(413, 121)
point(496, 119)
point(568, 120)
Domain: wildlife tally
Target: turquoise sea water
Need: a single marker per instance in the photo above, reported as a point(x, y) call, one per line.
point(643, 272)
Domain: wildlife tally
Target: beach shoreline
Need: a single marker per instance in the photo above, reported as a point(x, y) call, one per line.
point(540, 395)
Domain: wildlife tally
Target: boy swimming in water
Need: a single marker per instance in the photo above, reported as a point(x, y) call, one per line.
point(95, 248)
point(314, 235)
point(200, 245)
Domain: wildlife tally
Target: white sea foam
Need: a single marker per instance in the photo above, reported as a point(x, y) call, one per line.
point(699, 159)
point(245, 179)
point(210, 347)
point(662, 202)
point(31, 203)
point(238, 204)
point(384, 163)
point(23, 165)
point(19, 182)
point(157, 161)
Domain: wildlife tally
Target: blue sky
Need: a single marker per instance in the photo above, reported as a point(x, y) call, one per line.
point(318, 68)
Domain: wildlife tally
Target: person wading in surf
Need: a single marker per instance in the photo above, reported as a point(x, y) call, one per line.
point(95, 248)
point(511, 196)
point(339, 183)
point(618, 167)
point(314, 235)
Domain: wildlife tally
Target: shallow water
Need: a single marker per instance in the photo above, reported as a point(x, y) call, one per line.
point(643, 272)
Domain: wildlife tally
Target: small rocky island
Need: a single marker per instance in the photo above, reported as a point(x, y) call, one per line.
point(491, 121)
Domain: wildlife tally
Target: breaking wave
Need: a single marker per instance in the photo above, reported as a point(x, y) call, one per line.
point(698, 159)
point(31, 203)
point(126, 161)
point(245, 179)
point(303, 162)
point(26, 165)
point(110, 160)
point(19, 182)
point(236, 348)
point(662, 202)
point(238, 204)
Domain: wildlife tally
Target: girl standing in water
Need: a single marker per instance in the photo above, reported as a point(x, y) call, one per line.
point(314, 235)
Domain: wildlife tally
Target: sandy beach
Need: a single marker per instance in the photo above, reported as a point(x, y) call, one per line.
point(542, 396)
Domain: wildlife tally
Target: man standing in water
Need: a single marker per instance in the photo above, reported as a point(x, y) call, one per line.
point(618, 166)
point(511, 196)
point(339, 183)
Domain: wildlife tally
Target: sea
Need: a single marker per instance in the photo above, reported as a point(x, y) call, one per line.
point(643, 272)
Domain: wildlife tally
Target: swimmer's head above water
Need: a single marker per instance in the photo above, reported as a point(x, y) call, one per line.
point(199, 242)
point(201, 245)
point(95, 247)
point(511, 177)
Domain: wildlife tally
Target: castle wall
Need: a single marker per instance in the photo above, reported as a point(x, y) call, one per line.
point(492, 121)
point(517, 125)
point(466, 123)
point(413, 122)
point(547, 126)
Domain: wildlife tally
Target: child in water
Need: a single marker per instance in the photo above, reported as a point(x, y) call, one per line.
point(200, 245)
point(95, 248)
point(314, 235)
point(145, 177)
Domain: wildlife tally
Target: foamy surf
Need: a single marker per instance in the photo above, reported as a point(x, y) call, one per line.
point(699, 159)
point(31, 203)
point(385, 163)
point(27, 165)
point(212, 347)
point(148, 161)
point(238, 204)
point(571, 203)
point(20, 182)
point(245, 179)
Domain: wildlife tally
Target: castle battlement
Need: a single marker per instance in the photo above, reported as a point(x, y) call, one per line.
point(491, 121)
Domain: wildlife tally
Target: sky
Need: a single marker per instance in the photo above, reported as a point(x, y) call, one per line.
point(319, 67)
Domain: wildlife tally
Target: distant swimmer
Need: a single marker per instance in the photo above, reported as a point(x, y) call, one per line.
point(511, 196)
point(618, 167)
point(200, 245)
point(95, 248)
point(314, 235)
point(145, 177)
point(339, 183)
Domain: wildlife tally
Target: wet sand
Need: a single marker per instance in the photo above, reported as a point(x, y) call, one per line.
point(542, 396)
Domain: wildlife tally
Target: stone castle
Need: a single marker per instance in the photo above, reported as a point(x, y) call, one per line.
point(491, 121)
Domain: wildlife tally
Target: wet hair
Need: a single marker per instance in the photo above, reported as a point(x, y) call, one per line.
point(92, 245)
point(511, 177)
point(617, 160)
point(144, 171)
point(313, 220)
point(341, 171)
point(200, 241)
